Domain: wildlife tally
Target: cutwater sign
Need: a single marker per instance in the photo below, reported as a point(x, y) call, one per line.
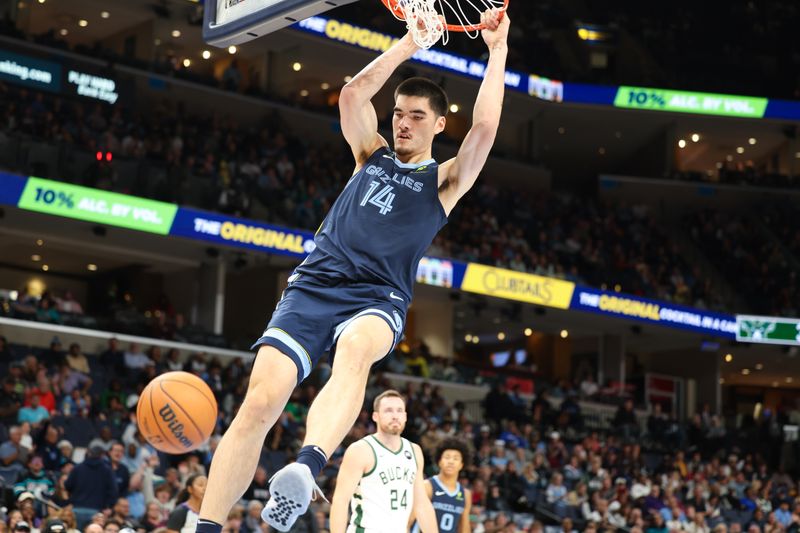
point(652, 311)
point(242, 233)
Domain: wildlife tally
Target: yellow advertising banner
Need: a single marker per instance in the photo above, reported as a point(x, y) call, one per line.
point(502, 283)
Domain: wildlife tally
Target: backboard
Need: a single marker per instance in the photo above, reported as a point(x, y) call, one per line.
point(231, 22)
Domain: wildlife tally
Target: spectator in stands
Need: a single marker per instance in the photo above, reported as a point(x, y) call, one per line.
point(44, 390)
point(68, 304)
point(47, 311)
point(113, 358)
point(35, 479)
point(77, 360)
point(10, 402)
point(92, 486)
point(34, 413)
point(135, 359)
point(120, 513)
point(625, 420)
point(589, 386)
point(53, 357)
point(122, 475)
point(173, 362)
point(69, 380)
point(51, 454)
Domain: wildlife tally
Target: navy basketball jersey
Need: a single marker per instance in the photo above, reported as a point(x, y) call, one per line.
point(380, 226)
point(449, 506)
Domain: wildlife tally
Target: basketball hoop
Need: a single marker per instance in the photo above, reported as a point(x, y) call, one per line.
point(424, 17)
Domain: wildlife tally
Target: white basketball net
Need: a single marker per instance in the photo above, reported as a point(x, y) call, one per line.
point(424, 20)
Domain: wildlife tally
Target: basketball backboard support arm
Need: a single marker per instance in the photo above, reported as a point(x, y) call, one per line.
point(250, 19)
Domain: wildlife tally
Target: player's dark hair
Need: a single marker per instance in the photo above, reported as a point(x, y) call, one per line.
point(391, 393)
point(425, 88)
point(454, 444)
point(184, 494)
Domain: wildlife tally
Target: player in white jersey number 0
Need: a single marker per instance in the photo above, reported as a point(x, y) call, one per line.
point(381, 478)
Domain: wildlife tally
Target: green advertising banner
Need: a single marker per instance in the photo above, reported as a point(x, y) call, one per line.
point(92, 205)
point(768, 329)
point(690, 102)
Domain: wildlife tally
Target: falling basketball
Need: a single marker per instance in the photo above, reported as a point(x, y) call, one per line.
point(177, 412)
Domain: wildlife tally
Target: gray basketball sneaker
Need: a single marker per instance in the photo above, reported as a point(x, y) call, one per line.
point(291, 490)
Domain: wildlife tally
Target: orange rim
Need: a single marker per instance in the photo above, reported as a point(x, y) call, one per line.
point(392, 6)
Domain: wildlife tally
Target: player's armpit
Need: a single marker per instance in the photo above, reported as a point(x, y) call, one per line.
point(358, 460)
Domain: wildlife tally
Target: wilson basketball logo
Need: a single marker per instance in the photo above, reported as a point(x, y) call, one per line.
point(171, 421)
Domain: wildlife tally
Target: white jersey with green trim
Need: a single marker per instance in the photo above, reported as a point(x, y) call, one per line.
point(384, 497)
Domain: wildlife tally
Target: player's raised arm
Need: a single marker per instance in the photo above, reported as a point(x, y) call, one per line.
point(423, 508)
point(462, 171)
point(357, 461)
point(357, 114)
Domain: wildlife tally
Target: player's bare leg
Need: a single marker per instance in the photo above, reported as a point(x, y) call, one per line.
point(334, 411)
point(272, 380)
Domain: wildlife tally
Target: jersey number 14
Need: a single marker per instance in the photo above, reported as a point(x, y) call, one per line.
point(382, 199)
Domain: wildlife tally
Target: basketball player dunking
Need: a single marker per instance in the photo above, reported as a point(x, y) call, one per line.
point(381, 477)
point(451, 502)
point(352, 292)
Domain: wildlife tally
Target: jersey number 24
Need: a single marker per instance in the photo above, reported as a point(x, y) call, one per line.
point(402, 502)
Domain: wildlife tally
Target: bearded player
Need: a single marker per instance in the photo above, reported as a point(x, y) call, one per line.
point(381, 478)
point(351, 294)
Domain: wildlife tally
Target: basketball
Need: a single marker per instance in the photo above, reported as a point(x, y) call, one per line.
point(177, 412)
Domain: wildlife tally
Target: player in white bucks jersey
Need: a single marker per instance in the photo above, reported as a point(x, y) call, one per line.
point(451, 501)
point(380, 479)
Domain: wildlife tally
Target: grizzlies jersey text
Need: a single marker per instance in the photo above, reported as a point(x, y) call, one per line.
point(380, 226)
point(449, 506)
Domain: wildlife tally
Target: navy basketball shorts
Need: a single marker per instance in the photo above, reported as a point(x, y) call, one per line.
point(312, 314)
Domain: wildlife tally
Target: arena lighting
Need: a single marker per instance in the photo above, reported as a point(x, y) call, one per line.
point(63, 31)
point(187, 62)
point(752, 141)
point(454, 108)
point(45, 268)
point(83, 23)
point(36, 258)
point(501, 336)
point(348, 78)
point(695, 137)
point(745, 371)
point(789, 379)
point(232, 50)
point(105, 14)
point(176, 33)
point(325, 86)
point(564, 333)
point(775, 384)
point(740, 150)
point(297, 67)
point(528, 332)
point(206, 54)
point(759, 366)
point(468, 338)
point(91, 267)
point(728, 358)
point(304, 93)
point(39, 242)
point(682, 143)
